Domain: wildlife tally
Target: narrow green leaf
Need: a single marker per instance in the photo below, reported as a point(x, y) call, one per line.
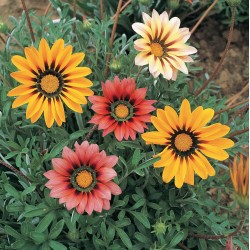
point(56, 230)
point(10, 231)
point(124, 237)
point(55, 245)
point(12, 191)
point(141, 218)
point(44, 223)
point(18, 244)
point(146, 164)
point(38, 237)
point(177, 239)
point(136, 157)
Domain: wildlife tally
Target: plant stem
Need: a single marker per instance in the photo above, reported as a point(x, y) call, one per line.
point(2, 39)
point(17, 42)
point(139, 71)
point(230, 36)
point(217, 237)
point(101, 10)
point(239, 132)
point(28, 20)
point(182, 246)
point(111, 41)
point(15, 170)
point(203, 16)
point(230, 107)
point(123, 7)
point(47, 9)
point(235, 97)
point(90, 132)
point(4, 81)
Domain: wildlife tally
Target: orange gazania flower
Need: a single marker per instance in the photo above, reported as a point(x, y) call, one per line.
point(123, 109)
point(240, 178)
point(48, 78)
point(187, 141)
point(83, 179)
point(162, 45)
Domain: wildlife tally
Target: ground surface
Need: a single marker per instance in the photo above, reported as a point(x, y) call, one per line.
point(211, 37)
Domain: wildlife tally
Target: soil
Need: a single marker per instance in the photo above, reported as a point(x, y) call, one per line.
point(210, 36)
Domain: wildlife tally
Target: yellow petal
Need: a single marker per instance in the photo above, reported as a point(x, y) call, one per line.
point(154, 137)
point(24, 77)
point(165, 158)
point(60, 109)
point(75, 60)
point(213, 152)
point(198, 166)
point(22, 90)
point(160, 126)
point(77, 73)
point(32, 103)
point(185, 113)
point(142, 58)
point(80, 83)
point(204, 117)
point(170, 171)
point(22, 64)
point(222, 143)
point(45, 52)
point(213, 131)
point(63, 58)
point(85, 91)
point(48, 116)
point(74, 95)
point(210, 169)
point(54, 112)
point(56, 49)
point(34, 106)
point(143, 30)
point(189, 178)
point(21, 100)
point(72, 105)
point(34, 58)
point(181, 173)
point(172, 117)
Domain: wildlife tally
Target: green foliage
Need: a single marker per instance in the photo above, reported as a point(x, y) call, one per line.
point(32, 220)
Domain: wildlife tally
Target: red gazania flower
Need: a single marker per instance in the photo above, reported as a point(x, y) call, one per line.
point(122, 110)
point(82, 179)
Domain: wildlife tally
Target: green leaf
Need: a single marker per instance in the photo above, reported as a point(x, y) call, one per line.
point(124, 237)
point(177, 239)
point(10, 231)
point(56, 150)
point(38, 237)
point(56, 230)
point(141, 218)
point(36, 212)
point(138, 204)
point(142, 238)
point(18, 244)
point(55, 245)
point(146, 164)
point(28, 190)
point(136, 157)
point(44, 223)
point(131, 144)
point(12, 191)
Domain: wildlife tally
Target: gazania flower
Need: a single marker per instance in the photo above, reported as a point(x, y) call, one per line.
point(122, 109)
point(83, 179)
point(162, 45)
point(187, 142)
point(240, 178)
point(48, 78)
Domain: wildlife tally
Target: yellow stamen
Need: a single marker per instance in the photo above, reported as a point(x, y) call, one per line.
point(49, 84)
point(156, 49)
point(121, 111)
point(183, 142)
point(84, 179)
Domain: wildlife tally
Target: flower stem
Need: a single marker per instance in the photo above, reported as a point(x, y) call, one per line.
point(47, 9)
point(90, 133)
point(28, 20)
point(139, 71)
point(217, 237)
point(239, 132)
point(203, 16)
point(123, 7)
point(15, 170)
point(230, 107)
point(2, 39)
point(230, 36)
point(111, 41)
point(101, 10)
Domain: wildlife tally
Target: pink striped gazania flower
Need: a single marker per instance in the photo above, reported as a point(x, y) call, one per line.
point(162, 45)
point(122, 110)
point(83, 179)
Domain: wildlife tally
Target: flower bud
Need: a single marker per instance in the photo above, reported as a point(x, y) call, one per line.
point(73, 236)
point(233, 3)
point(3, 28)
point(115, 66)
point(159, 227)
point(87, 24)
point(173, 4)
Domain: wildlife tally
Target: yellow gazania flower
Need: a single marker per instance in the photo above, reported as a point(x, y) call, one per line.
point(48, 78)
point(240, 179)
point(162, 45)
point(187, 141)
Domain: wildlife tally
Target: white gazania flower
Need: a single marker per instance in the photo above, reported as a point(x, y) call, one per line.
point(162, 45)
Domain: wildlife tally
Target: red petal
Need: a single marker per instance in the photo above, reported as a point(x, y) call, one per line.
point(70, 156)
point(81, 206)
point(62, 166)
point(115, 189)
